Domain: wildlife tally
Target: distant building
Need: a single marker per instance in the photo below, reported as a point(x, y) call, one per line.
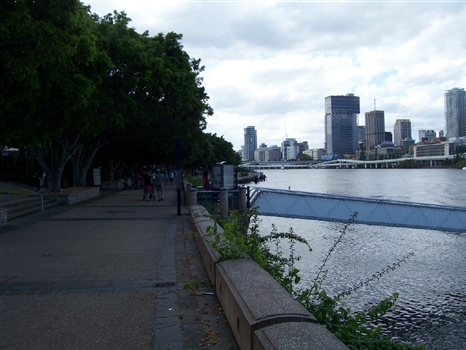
point(302, 146)
point(407, 143)
point(438, 149)
point(361, 134)
point(388, 136)
point(375, 128)
point(289, 142)
point(455, 113)
point(315, 153)
point(267, 154)
point(250, 143)
point(427, 135)
point(341, 132)
point(402, 131)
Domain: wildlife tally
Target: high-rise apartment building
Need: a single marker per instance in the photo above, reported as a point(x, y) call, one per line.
point(341, 132)
point(402, 131)
point(250, 143)
point(375, 128)
point(455, 113)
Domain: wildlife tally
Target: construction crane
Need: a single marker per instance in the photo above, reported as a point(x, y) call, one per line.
point(286, 134)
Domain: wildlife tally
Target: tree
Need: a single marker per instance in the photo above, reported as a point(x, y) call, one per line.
point(48, 55)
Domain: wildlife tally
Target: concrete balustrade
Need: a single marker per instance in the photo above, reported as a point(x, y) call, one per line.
point(261, 313)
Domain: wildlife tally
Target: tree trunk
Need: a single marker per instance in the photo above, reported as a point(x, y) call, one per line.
point(61, 152)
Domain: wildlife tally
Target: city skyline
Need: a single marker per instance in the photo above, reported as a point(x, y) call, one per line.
point(271, 63)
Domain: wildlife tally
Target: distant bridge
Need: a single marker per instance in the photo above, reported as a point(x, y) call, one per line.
point(382, 212)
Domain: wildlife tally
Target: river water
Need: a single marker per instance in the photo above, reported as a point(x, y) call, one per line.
point(431, 308)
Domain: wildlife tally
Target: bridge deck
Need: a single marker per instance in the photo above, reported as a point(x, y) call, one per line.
point(383, 212)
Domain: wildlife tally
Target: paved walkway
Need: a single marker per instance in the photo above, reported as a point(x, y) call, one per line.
point(114, 272)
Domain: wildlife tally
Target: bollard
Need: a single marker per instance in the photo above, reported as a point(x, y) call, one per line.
point(42, 201)
point(242, 205)
point(188, 188)
point(192, 197)
point(223, 202)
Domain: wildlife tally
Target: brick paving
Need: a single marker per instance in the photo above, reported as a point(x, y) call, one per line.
point(113, 272)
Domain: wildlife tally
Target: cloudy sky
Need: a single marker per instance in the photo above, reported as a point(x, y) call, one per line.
point(271, 64)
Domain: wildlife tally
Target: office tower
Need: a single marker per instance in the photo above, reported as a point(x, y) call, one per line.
point(341, 132)
point(402, 131)
point(250, 143)
point(375, 128)
point(289, 142)
point(455, 113)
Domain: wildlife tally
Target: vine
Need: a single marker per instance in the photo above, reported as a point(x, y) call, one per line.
point(358, 330)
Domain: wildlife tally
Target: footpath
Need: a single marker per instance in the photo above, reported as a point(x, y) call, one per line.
point(113, 272)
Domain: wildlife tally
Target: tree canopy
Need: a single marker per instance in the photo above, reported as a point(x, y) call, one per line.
point(74, 83)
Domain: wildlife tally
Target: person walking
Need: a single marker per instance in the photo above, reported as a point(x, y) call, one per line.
point(148, 190)
point(159, 184)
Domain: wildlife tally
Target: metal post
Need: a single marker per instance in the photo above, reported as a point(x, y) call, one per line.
point(178, 175)
point(42, 201)
point(242, 200)
point(223, 202)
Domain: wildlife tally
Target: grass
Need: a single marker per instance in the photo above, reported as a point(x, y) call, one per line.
point(13, 190)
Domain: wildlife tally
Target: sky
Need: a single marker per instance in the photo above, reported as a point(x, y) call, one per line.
point(271, 64)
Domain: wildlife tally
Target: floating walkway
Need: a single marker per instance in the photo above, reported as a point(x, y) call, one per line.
point(382, 212)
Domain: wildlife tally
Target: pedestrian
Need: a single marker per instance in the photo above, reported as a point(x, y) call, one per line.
point(171, 176)
point(148, 190)
point(205, 180)
point(214, 183)
point(159, 184)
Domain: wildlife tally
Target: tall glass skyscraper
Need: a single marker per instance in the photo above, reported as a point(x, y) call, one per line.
point(341, 129)
point(250, 143)
point(455, 112)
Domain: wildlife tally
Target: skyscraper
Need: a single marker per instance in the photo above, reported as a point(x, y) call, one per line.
point(402, 131)
point(455, 113)
point(341, 132)
point(250, 143)
point(375, 128)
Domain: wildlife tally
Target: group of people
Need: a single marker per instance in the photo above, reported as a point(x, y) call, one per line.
point(152, 183)
point(210, 183)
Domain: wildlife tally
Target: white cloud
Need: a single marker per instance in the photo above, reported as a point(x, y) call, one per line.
point(272, 64)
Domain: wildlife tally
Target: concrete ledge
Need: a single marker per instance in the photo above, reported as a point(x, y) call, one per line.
point(209, 255)
point(296, 336)
point(261, 313)
point(75, 196)
point(112, 185)
point(252, 300)
point(3, 216)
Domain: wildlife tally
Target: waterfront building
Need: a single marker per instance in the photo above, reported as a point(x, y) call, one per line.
point(375, 128)
point(341, 131)
point(267, 154)
point(455, 113)
point(402, 131)
point(427, 135)
point(438, 149)
point(250, 143)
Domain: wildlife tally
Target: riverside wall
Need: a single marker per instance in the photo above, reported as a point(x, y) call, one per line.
point(261, 313)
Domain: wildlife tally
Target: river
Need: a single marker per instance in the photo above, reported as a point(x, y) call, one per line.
point(431, 308)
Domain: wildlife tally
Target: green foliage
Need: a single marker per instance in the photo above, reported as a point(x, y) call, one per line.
point(409, 164)
point(358, 330)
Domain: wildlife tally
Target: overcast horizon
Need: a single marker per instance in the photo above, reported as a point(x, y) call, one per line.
point(271, 64)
